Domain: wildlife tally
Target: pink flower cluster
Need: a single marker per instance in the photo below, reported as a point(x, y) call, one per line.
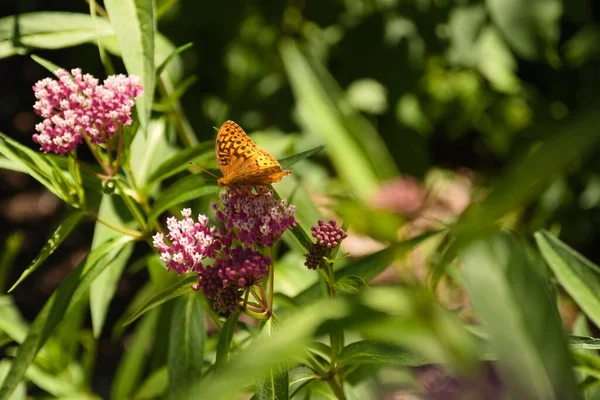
point(77, 105)
point(240, 268)
point(328, 235)
point(255, 217)
point(249, 218)
point(191, 242)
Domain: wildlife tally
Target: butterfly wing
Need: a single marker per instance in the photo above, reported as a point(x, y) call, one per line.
point(233, 147)
point(241, 162)
point(260, 169)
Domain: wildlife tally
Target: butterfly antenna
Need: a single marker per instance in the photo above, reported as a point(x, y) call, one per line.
point(204, 170)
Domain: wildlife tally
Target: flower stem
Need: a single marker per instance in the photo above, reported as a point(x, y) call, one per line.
point(337, 389)
point(94, 150)
point(130, 232)
point(337, 340)
point(271, 281)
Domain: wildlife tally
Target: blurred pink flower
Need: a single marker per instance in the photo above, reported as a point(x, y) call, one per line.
point(76, 105)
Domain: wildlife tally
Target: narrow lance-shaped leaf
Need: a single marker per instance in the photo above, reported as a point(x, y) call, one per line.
point(60, 234)
point(134, 360)
point(133, 22)
point(579, 276)
point(186, 344)
point(225, 337)
point(105, 285)
point(177, 289)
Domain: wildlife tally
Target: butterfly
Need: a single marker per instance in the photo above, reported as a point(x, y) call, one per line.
point(242, 162)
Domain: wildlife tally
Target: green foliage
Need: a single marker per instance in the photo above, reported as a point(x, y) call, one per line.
point(351, 96)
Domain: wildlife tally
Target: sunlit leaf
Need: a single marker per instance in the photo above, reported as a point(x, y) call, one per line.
point(579, 276)
point(134, 24)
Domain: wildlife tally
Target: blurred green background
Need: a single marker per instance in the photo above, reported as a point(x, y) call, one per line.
point(453, 88)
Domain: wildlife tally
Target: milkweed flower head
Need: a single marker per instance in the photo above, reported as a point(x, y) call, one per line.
point(329, 235)
point(249, 219)
point(223, 284)
point(76, 105)
point(191, 242)
point(254, 217)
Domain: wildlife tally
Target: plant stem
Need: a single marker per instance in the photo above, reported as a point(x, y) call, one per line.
point(271, 280)
point(337, 339)
point(94, 150)
point(337, 389)
point(130, 232)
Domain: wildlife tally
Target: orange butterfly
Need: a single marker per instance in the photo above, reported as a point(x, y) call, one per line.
point(240, 160)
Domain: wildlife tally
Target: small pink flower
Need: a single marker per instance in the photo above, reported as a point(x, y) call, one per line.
point(255, 217)
point(191, 242)
point(76, 105)
point(328, 235)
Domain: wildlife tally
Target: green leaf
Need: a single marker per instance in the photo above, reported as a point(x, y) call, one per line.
point(179, 288)
point(37, 164)
point(370, 352)
point(274, 386)
point(291, 160)
point(70, 292)
point(180, 161)
point(50, 66)
point(48, 30)
point(60, 234)
point(134, 360)
point(511, 297)
point(225, 337)
point(171, 56)
point(525, 179)
point(579, 276)
point(530, 27)
point(356, 149)
point(155, 386)
point(350, 284)
point(583, 342)
point(12, 165)
point(186, 344)
point(104, 286)
point(21, 391)
point(134, 24)
point(366, 268)
point(188, 188)
point(149, 150)
point(168, 104)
